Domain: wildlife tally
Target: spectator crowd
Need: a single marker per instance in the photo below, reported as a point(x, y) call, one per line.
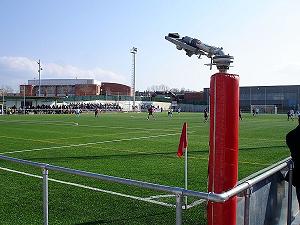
point(64, 109)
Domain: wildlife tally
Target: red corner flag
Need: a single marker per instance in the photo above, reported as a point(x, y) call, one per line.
point(183, 141)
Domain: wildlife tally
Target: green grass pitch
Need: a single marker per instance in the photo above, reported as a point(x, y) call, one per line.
point(124, 145)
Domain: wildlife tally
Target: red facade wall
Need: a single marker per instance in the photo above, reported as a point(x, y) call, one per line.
point(77, 90)
point(28, 90)
point(86, 89)
point(115, 89)
point(194, 96)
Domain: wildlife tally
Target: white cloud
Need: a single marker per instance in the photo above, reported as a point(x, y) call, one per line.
point(17, 63)
point(17, 70)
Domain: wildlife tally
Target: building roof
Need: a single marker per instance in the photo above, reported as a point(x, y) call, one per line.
point(62, 81)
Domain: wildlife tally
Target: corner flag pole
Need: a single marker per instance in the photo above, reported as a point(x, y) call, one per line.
point(182, 147)
point(185, 173)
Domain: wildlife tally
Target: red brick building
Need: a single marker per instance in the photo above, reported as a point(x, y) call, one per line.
point(87, 89)
point(194, 96)
point(115, 89)
point(27, 88)
point(72, 87)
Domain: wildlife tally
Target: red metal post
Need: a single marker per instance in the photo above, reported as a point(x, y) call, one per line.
point(223, 153)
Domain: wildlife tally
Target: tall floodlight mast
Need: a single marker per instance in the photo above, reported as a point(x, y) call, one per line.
point(39, 71)
point(193, 46)
point(133, 51)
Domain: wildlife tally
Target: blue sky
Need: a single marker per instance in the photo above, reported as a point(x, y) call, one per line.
point(92, 39)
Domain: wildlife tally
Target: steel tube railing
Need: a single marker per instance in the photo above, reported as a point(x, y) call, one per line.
point(125, 181)
point(142, 184)
point(247, 206)
point(45, 196)
point(289, 208)
point(238, 189)
point(179, 192)
point(222, 197)
point(22, 161)
point(179, 209)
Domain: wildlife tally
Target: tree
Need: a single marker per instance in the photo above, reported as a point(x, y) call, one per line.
point(174, 90)
point(160, 87)
point(6, 89)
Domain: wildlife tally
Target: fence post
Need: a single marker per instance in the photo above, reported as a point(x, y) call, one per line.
point(45, 195)
point(247, 206)
point(178, 209)
point(289, 208)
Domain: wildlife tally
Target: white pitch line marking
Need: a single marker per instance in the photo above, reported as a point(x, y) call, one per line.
point(29, 139)
point(243, 162)
point(131, 128)
point(96, 135)
point(91, 188)
point(46, 122)
point(49, 140)
point(92, 143)
point(62, 123)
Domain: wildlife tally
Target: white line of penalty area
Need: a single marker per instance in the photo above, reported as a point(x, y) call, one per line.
point(91, 143)
point(147, 199)
point(62, 123)
point(44, 122)
point(56, 140)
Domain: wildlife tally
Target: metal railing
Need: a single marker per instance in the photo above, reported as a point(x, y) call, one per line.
point(242, 187)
